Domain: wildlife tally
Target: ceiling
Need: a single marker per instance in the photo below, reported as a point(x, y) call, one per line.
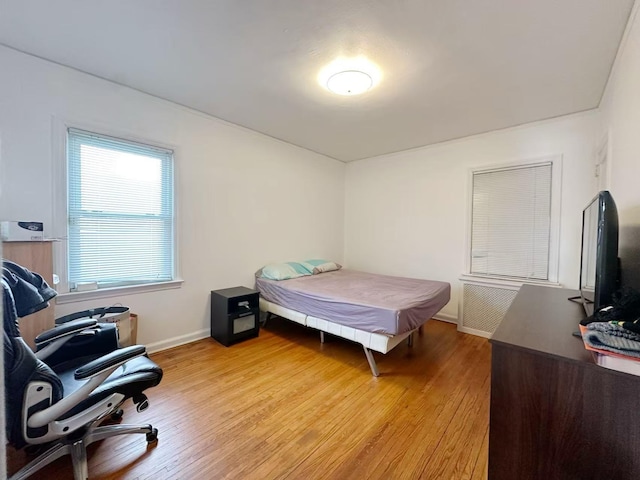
point(450, 68)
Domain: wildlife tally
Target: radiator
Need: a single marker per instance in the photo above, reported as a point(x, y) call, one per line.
point(483, 307)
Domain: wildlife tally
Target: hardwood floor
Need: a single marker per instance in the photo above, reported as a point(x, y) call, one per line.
point(285, 406)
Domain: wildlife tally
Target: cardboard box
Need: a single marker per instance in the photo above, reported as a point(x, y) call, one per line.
point(128, 330)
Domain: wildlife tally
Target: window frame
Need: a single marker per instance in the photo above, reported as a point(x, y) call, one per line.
point(554, 224)
point(60, 213)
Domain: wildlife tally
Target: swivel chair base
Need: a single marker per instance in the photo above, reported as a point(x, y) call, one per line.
point(77, 448)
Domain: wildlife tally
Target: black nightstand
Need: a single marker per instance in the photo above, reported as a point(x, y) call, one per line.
point(235, 314)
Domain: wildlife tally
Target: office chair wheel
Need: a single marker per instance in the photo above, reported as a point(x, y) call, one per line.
point(152, 436)
point(117, 415)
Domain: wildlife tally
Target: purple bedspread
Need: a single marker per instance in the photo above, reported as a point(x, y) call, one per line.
point(366, 301)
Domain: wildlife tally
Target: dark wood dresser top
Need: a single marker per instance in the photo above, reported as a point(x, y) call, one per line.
point(541, 319)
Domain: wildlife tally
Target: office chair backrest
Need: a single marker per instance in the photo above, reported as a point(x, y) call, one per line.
point(20, 368)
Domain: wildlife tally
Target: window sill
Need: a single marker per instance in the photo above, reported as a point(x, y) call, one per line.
point(506, 281)
point(72, 297)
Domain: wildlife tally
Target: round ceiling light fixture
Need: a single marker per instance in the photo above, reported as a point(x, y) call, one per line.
point(349, 82)
point(350, 76)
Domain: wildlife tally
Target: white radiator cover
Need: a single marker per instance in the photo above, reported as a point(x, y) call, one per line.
point(483, 307)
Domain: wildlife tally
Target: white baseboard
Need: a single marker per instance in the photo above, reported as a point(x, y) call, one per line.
point(176, 341)
point(200, 334)
point(445, 317)
point(473, 331)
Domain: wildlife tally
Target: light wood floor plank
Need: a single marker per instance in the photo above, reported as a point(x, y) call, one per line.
point(284, 406)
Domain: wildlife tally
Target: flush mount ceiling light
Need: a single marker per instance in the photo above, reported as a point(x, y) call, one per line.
point(349, 76)
point(349, 82)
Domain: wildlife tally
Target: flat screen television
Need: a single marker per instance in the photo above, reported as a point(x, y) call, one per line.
point(599, 265)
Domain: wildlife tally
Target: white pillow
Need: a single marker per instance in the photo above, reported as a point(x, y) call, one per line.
point(326, 267)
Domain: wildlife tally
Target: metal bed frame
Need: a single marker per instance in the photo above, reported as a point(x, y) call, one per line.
point(370, 341)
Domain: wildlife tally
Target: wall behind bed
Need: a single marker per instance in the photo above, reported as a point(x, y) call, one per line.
point(406, 213)
point(243, 198)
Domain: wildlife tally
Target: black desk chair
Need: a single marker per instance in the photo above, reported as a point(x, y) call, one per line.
point(64, 406)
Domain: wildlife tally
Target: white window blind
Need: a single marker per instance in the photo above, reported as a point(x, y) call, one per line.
point(120, 211)
point(511, 221)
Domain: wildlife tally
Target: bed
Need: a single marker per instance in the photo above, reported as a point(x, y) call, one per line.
point(377, 311)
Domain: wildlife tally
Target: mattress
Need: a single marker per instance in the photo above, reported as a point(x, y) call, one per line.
point(366, 301)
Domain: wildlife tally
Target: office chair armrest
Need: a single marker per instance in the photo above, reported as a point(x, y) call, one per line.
point(96, 372)
point(51, 340)
point(63, 330)
point(110, 360)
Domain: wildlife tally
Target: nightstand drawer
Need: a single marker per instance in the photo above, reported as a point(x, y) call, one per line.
point(243, 322)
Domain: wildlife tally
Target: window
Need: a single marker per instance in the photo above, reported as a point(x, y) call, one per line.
point(120, 212)
point(512, 223)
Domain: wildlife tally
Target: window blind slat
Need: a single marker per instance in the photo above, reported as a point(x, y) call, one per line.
point(120, 207)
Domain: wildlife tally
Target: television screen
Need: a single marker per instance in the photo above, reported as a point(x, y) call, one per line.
point(599, 271)
point(589, 242)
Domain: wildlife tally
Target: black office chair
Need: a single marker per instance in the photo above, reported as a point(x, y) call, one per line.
point(64, 405)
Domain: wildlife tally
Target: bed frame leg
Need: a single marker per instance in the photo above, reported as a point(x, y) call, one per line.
point(372, 362)
point(321, 336)
point(266, 319)
point(420, 329)
point(410, 340)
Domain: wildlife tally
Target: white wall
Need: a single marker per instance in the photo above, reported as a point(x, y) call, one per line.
point(406, 213)
point(243, 199)
point(621, 121)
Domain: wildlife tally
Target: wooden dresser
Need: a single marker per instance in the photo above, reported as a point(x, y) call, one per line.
point(555, 414)
point(37, 257)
